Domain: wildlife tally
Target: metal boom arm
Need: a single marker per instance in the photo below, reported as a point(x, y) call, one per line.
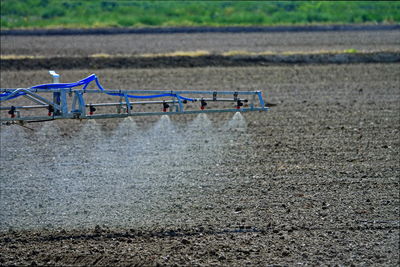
point(170, 102)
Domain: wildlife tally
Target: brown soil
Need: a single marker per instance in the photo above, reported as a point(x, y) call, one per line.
point(313, 181)
point(197, 61)
point(126, 50)
point(215, 43)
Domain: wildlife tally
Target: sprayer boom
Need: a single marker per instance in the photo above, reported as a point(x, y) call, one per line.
point(75, 101)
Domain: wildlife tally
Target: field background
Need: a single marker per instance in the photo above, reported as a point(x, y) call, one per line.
point(96, 13)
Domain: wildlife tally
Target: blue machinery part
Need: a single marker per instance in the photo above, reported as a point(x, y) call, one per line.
point(170, 102)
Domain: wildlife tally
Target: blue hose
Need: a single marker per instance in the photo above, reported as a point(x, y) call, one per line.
point(85, 82)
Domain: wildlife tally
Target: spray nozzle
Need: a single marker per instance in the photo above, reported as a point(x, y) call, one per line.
point(203, 104)
point(165, 106)
point(92, 109)
point(239, 104)
point(12, 111)
point(50, 109)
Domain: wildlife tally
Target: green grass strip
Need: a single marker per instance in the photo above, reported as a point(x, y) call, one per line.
point(97, 13)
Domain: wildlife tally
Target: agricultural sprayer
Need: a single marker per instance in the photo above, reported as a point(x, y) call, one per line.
point(76, 101)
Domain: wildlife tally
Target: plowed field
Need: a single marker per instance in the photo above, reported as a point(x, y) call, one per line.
point(315, 180)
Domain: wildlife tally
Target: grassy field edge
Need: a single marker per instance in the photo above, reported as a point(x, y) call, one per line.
point(30, 14)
